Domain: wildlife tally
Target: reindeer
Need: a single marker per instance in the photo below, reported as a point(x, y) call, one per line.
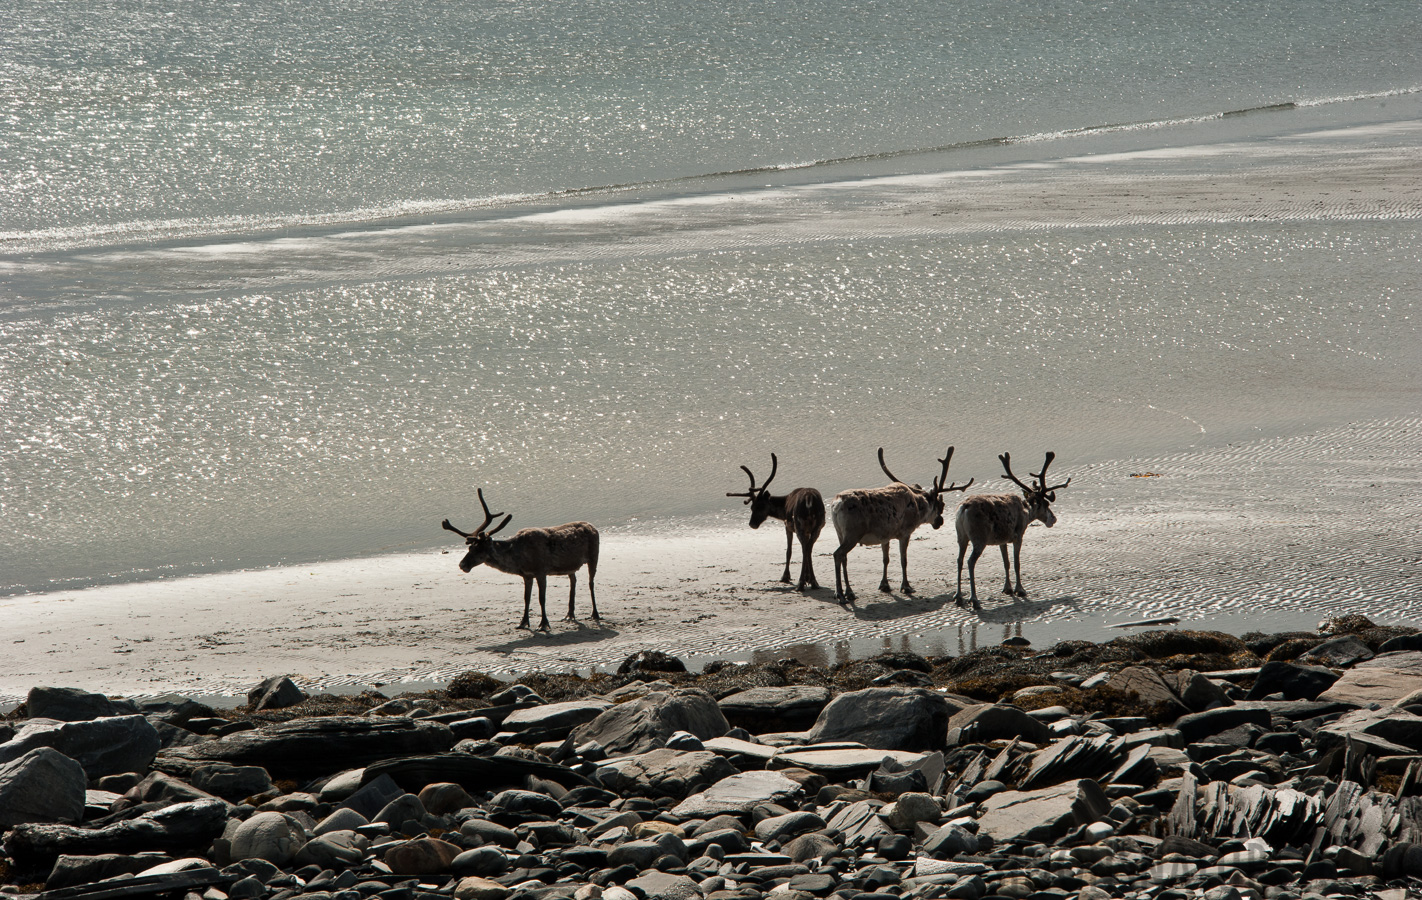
point(534, 554)
point(878, 515)
point(802, 510)
point(1002, 519)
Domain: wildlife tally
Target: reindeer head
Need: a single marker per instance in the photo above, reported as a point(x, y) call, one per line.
point(478, 540)
point(933, 497)
point(1039, 496)
point(758, 498)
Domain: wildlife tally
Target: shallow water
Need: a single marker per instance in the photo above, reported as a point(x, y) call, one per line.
point(295, 296)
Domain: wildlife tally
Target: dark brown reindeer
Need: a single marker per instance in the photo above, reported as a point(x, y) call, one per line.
point(802, 510)
point(534, 554)
point(1001, 519)
point(879, 515)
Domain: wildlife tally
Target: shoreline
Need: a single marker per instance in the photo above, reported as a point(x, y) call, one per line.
point(1273, 535)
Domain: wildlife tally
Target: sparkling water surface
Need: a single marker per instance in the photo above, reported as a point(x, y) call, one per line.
point(287, 282)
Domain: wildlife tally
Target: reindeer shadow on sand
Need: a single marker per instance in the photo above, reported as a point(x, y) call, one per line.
point(1011, 610)
point(580, 633)
point(888, 607)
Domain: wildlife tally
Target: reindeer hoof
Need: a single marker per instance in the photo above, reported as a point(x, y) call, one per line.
point(884, 588)
point(906, 589)
point(785, 579)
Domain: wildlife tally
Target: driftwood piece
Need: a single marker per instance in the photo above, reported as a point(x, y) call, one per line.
point(138, 886)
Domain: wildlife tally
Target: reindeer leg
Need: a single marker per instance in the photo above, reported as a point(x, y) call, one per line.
point(972, 572)
point(572, 590)
point(592, 595)
point(543, 602)
point(1017, 564)
point(1006, 567)
point(962, 551)
point(807, 567)
point(903, 564)
point(841, 564)
point(789, 540)
point(884, 582)
point(527, 597)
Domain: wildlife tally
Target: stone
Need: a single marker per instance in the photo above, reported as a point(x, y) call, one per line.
point(442, 798)
point(1043, 815)
point(489, 832)
point(1293, 681)
point(1196, 727)
point(765, 709)
point(343, 819)
point(664, 772)
point(277, 692)
point(991, 722)
point(1385, 678)
point(1199, 692)
point(845, 764)
point(1152, 689)
point(401, 810)
point(180, 827)
point(782, 828)
point(909, 809)
point(885, 718)
point(664, 886)
point(69, 871)
point(638, 854)
point(646, 723)
point(480, 861)
point(232, 782)
point(104, 746)
point(949, 841)
point(67, 704)
point(1390, 724)
point(810, 846)
point(267, 835)
point(516, 801)
point(475, 888)
point(552, 721)
point(304, 748)
point(737, 794)
point(1339, 652)
point(44, 785)
point(1401, 642)
point(422, 856)
point(157, 786)
point(333, 849)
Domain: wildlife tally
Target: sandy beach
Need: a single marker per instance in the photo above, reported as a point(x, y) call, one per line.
point(1274, 534)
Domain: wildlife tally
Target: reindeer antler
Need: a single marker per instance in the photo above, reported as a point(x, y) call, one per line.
point(488, 517)
point(1006, 460)
point(750, 494)
point(938, 487)
point(1042, 476)
point(882, 465)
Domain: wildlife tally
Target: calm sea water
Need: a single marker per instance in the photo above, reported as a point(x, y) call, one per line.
point(289, 281)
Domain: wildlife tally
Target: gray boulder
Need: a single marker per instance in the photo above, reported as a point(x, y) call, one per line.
point(737, 794)
point(552, 721)
point(1338, 652)
point(277, 692)
point(782, 828)
point(1386, 679)
point(1152, 689)
point(1197, 726)
point(765, 709)
point(105, 746)
point(1396, 726)
point(183, 827)
point(69, 871)
point(67, 704)
point(339, 849)
point(233, 783)
point(647, 722)
point(993, 722)
point(1043, 815)
point(267, 835)
point(665, 772)
point(44, 785)
point(1293, 681)
point(664, 886)
point(885, 718)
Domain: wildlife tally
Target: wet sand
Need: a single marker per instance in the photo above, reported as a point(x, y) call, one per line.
point(1271, 535)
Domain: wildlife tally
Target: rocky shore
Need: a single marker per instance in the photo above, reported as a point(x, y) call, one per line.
point(1167, 764)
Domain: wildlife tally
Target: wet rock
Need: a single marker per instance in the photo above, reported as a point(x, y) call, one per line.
point(646, 723)
point(1338, 652)
point(1152, 689)
point(552, 721)
point(67, 704)
point(650, 661)
point(992, 722)
point(44, 785)
point(1043, 815)
point(1294, 682)
point(104, 746)
point(267, 835)
point(277, 692)
point(789, 708)
point(886, 718)
point(665, 772)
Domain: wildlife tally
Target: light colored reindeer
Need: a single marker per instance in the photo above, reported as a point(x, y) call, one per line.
point(802, 510)
point(1000, 519)
point(879, 515)
point(534, 554)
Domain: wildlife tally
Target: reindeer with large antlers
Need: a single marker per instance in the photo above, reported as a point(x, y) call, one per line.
point(802, 510)
point(879, 515)
point(534, 554)
point(1001, 519)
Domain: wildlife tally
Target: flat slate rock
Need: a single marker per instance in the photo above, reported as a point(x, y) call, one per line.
point(473, 773)
point(737, 794)
point(553, 721)
point(1043, 815)
point(1386, 679)
point(729, 746)
point(843, 762)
